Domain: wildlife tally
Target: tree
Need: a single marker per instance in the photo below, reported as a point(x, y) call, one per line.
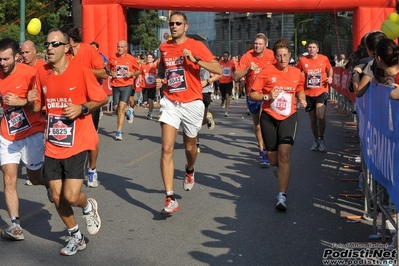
point(52, 14)
point(143, 28)
point(323, 29)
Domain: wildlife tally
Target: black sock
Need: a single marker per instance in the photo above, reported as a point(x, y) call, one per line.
point(172, 197)
point(321, 137)
point(189, 171)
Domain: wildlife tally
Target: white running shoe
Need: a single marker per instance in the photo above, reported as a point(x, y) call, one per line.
point(281, 203)
point(92, 178)
point(93, 221)
point(74, 244)
point(13, 232)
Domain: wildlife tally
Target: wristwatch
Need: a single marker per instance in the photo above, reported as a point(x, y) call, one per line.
point(85, 110)
point(208, 82)
point(265, 97)
point(197, 60)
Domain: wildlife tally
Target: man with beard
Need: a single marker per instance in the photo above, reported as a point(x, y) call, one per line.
point(22, 131)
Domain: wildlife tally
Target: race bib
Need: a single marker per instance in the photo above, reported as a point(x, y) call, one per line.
point(227, 71)
point(176, 79)
point(16, 120)
point(60, 130)
point(314, 81)
point(149, 78)
point(282, 105)
point(121, 71)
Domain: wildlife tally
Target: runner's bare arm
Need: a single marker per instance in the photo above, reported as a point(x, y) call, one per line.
point(100, 73)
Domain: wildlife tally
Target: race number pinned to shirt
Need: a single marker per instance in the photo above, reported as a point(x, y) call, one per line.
point(16, 120)
point(60, 130)
point(314, 81)
point(282, 104)
point(121, 71)
point(227, 71)
point(176, 79)
point(149, 78)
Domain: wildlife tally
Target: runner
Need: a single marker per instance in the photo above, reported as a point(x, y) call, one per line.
point(226, 83)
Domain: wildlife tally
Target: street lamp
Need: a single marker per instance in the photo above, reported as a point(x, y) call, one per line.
point(296, 35)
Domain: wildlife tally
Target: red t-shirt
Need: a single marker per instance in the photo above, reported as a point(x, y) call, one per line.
point(250, 57)
point(18, 121)
point(39, 63)
point(148, 75)
point(315, 71)
point(88, 56)
point(122, 65)
point(289, 83)
point(182, 75)
point(228, 69)
point(77, 85)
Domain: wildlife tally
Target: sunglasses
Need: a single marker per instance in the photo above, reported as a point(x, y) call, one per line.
point(54, 44)
point(178, 23)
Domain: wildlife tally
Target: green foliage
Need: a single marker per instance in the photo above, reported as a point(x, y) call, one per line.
point(323, 28)
point(52, 14)
point(143, 28)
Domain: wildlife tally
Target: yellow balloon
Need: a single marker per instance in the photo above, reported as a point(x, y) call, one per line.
point(391, 29)
point(170, 37)
point(394, 17)
point(34, 26)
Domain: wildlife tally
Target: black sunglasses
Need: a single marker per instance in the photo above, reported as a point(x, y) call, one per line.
point(54, 44)
point(178, 23)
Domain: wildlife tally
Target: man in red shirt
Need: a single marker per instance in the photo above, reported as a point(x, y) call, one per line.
point(88, 56)
point(226, 81)
point(69, 92)
point(318, 75)
point(124, 68)
point(180, 63)
point(22, 131)
point(251, 63)
point(28, 53)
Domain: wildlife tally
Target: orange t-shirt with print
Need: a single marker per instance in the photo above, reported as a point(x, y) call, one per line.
point(88, 56)
point(148, 75)
point(77, 85)
point(122, 65)
point(228, 68)
point(18, 121)
point(288, 83)
point(315, 71)
point(39, 63)
point(183, 76)
point(250, 57)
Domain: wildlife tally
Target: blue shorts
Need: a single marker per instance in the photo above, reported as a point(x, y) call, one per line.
point(253, 107)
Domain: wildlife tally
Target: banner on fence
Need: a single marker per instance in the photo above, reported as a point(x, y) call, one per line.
point(379, 135)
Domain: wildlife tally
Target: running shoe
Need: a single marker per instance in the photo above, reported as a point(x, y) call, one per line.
point(265, 159)
point(149, 116)
point(49, 194)
point(74, 245)
point(315, 145)
point(322, 145)
point(170, 206)
point(92, 178)
point(93, 221)
point(13, 232)
point(226, 114)
point(189, 180)
point(211, 121)
point(129, 115)
point(223, 105)
point(198, 147)
point(281, 203)
point(28, 183)
point(118, 135)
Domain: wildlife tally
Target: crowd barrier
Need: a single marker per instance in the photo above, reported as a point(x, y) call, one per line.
point(377, 118)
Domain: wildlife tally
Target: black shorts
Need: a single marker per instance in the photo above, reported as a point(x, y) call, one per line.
point(149, 94)
point(312, 101)
point(95, 115)
point(276, 132)
point(71, 168)
point(206, 98)
point(226, 88)
point(121, 94)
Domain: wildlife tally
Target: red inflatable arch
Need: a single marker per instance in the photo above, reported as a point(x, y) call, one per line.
point(105, 20)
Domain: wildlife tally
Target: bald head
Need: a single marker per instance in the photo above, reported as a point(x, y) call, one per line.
point(28, 53)
point(122, 47)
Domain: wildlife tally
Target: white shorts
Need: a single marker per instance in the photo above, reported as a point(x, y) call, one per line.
point(29, 150)
point(188, 115)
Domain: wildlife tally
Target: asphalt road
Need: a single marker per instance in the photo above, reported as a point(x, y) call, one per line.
point(227, 219)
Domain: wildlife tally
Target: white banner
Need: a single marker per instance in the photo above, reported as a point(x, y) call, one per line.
point(164, 34)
